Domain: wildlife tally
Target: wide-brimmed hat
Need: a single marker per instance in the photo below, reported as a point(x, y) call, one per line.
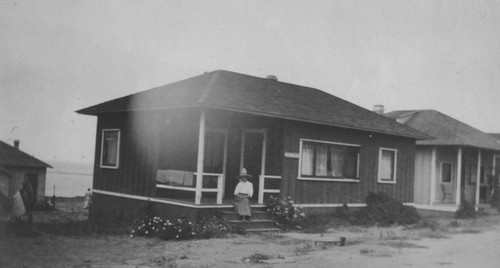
point(244, 174)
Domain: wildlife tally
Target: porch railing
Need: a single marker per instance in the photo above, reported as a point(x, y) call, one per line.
point(199, 189)
point(263, 190)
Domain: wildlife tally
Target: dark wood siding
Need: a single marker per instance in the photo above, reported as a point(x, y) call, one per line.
point(138, 153)
point(169, 140)
point(318, 192)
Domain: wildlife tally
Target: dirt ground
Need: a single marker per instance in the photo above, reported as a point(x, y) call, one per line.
point(435, 243)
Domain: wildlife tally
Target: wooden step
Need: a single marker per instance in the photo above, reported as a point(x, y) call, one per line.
point(257, 215)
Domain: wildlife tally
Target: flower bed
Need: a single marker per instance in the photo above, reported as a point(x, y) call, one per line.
point(180, 229)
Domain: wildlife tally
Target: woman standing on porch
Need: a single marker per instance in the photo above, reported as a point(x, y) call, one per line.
point(242, 192)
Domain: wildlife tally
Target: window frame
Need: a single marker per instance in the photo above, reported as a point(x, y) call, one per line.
point(441, 172)
point(395, 169)
point(102, 165)
point(337, 179)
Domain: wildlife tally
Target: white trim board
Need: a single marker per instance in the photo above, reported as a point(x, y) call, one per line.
point(436, 208)
point(157, 200)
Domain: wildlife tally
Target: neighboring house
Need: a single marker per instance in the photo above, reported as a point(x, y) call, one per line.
point(496, 162)
point(16, 167)
point(181, 146)
point(461, 160)
point(496, 136)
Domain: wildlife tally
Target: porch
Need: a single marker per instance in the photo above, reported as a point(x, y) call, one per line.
point(206, 174)
point(460, 173)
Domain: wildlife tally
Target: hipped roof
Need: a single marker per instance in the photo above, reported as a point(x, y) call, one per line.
point(445, 129)
point(11, 156)
point(248, 94)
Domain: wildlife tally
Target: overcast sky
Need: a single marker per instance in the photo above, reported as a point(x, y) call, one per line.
point(60, 56)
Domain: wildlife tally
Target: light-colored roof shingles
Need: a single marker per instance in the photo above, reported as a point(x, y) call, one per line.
point(445, 129)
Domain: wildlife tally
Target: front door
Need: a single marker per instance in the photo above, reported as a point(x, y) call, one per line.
point(253, 151)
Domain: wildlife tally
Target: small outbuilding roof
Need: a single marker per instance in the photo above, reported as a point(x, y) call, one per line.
point(445, 129)
point(263, 96)
point(11, 156)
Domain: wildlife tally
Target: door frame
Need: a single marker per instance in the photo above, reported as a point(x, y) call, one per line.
point(262, 131)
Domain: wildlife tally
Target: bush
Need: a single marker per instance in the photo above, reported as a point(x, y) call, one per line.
point(212, 227)
point(180, 229)
point(466, 210)
point(380, 209)
point(286, 215)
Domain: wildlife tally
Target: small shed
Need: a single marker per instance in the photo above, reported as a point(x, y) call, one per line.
point(16, 167)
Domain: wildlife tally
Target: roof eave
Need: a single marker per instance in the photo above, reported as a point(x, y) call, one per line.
point(417, 137)
point(420, 136)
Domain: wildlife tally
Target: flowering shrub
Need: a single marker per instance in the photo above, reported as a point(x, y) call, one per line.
point(180, 228)
point(284, 212)
point(212, 227)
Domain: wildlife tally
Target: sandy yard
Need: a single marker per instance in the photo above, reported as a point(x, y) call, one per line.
point(442, 243)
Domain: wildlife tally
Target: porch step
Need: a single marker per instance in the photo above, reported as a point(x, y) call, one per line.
point(256, 215)
point(260, 221)
point(254, 224)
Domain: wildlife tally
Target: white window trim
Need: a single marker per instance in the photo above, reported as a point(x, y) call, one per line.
point(379, 180)
point(117, 151)
point(441, 172)
point(327, 179)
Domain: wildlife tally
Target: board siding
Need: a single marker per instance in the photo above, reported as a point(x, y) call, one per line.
point(168, 140)
point(319, 192)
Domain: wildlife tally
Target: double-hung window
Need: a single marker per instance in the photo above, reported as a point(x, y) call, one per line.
point(110, 148)
point(387, 165)
point(327, 160)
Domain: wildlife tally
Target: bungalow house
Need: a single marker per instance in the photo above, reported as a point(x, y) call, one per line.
point(459, 162)
point(180, 147)
point(16, 167)
point(496, 161)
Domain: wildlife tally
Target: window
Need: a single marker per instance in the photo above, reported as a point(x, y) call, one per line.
point(387, 165)
point(110, 148)
point(326, 160)
point(446, 172)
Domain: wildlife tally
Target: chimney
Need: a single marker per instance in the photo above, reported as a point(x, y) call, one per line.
point(272, 77)
point(16, 144)
point(378, 108)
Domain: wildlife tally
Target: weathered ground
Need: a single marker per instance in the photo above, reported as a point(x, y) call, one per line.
point(438, 243)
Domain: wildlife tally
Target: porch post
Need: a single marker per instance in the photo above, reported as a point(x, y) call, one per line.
point(478, 177)
point(433, 176)
point(459, 176)
point(201, 154)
